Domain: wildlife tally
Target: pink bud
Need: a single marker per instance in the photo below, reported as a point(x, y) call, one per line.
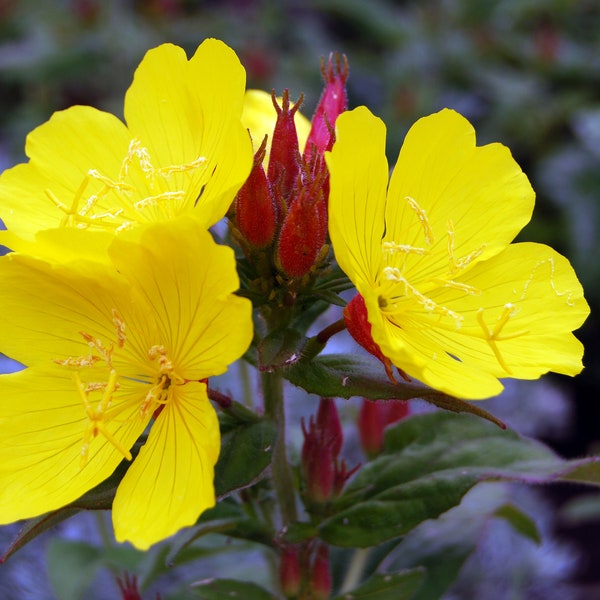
point(370, 427)
point(284, 160)
point(333, 102)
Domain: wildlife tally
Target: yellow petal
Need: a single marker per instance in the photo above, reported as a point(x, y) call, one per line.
point(43, 308)
point(43, 424)
point(170, 482)
point(259, 117)
point(359, 176)
point(189, 281)
point(185, 111)
point(62, 151)
point(457, 201)
point(512, 317)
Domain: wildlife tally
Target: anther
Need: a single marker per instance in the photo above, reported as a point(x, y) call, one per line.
point(422, 216)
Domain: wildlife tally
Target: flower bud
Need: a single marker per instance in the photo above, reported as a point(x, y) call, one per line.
point(328, 421)
point(289, 571)
point(284, 160)
point(321, 582)
point(332, 103)
point(357, 323)
point(256, 211)
point(318, 464)
point(302, 235)
point(374, 417)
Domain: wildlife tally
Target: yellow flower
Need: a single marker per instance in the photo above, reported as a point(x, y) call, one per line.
point(184, 150)
point(450, 301)
point(110, 350)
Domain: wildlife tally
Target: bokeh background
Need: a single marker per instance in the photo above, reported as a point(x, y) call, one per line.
point(525, 72)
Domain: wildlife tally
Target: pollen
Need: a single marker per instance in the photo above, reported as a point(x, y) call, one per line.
point(458, 264)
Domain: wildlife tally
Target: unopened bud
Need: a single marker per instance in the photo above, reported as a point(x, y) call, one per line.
point(289, 571)
point(302, 235)
point(256, 211)
point(321, 582)
point(284, 165)
point(357, 323)
point(333, 102)
point(374, 417)
point(318, 465)
point(328, 421)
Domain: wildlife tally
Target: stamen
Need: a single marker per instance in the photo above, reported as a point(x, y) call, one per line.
point(458, 264)
point(97, 418)
point(157, 395)
point(457, 285)
point(81, 362)
point(118, 186)
point(105, 353)
point(428, 304)
point(550, 260)
point(119, 328)
point(155, 200)
point(422, 216)
point(393, 248)
point(166, 171)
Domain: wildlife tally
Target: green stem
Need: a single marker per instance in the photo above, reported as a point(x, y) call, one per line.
point(283, 480)
point(355, 570)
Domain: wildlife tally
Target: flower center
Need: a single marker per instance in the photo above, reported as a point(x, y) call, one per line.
point(101, 406)
point(140, 193)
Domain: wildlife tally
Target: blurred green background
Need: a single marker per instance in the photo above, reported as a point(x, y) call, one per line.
point(525, 72)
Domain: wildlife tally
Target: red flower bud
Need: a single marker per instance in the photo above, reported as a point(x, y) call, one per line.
point(374, 417)
point(303, 232)
point(328, 421)
point(333, 102)
point(256, 211)
point(321, 574)
point(289, 571)
point(318, 464)
point(284, 160)
point(357, 323)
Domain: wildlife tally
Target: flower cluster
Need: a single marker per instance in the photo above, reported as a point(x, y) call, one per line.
point(121, 304)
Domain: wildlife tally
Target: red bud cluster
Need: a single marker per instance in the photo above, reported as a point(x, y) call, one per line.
point(280, 213)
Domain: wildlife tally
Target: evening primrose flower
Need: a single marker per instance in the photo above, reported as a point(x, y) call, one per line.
point(111, 351)
point(183, 150)
point(444, 294)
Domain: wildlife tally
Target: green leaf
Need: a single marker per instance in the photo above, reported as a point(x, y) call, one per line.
point(443, 545)
point(225, 589)
point(245, 454)
point(71, 567)
point(519, 521)
point(344, 376)
point(399, 586)
point(429, 463)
